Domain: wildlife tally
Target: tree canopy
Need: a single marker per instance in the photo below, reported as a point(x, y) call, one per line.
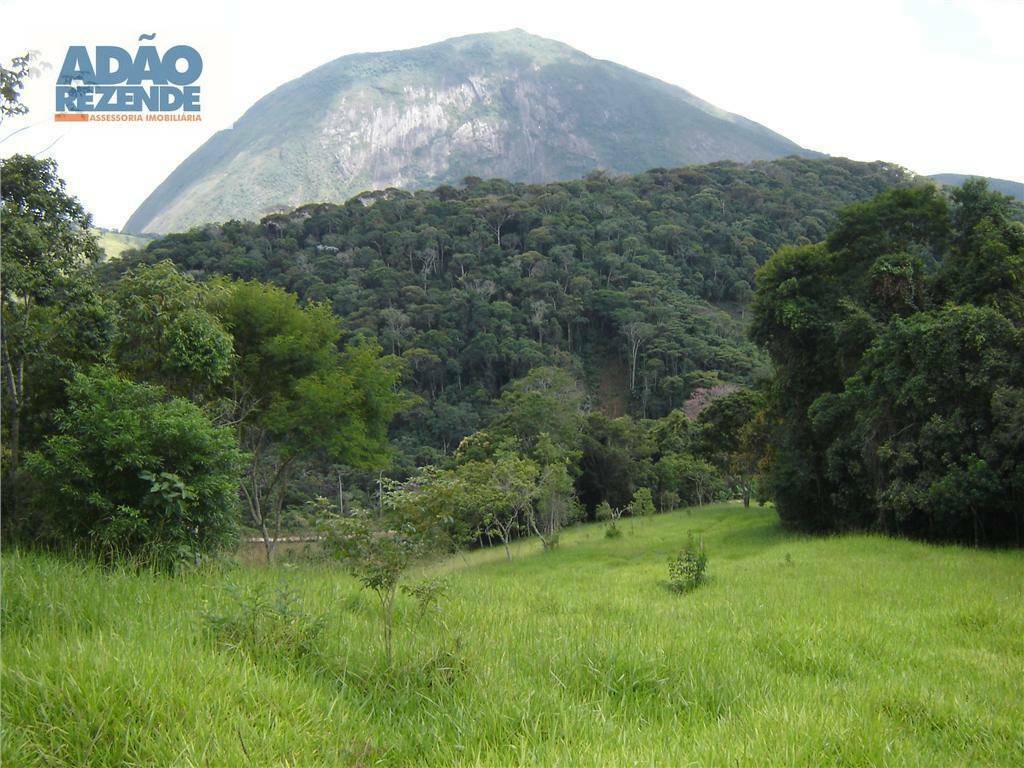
point(636, 283)
point(899, 356)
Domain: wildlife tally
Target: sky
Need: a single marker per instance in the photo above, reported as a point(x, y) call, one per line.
point(933, 85)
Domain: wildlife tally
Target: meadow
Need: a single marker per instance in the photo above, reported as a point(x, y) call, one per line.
point(852, 650)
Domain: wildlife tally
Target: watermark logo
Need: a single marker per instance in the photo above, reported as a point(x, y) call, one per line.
point(113, 85)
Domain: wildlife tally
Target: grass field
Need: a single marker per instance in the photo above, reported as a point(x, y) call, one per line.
point(846, 651)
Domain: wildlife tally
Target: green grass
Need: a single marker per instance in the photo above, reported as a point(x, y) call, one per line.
point(855, 650)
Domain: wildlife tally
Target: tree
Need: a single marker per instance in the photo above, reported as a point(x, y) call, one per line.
point(12, 81)
point(928, 441)
point(636, 332)
point(897, 352)
point(504, 489)
point(131, 472)
point(614, 460)
point(547, 400)
point(986, 263)
point(166, 335)
point(293, 395)
point(554, 504)
point(729, 439)
point(378, 553)
point(46, 241)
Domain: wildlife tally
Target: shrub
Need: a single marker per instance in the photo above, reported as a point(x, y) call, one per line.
point(606, 511)
point(378, 555)
point(259, 624)
point(132, 473)
point(642, 504)
point(686, 570)
point(428, 594)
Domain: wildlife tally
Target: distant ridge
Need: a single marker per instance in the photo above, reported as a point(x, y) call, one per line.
point(505, 104)
point(1012, 188)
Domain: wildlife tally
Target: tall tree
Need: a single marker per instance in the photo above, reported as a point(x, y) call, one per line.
point(46, 241)
point(729, 440)
point(295, 394)
point(898, 356)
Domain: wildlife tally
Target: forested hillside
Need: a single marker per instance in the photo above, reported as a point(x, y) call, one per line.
point(645, 275)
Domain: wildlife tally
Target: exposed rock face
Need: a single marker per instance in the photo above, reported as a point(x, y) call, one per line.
point(507, 104)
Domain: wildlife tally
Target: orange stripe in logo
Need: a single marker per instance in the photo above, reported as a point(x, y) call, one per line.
point(71, 117)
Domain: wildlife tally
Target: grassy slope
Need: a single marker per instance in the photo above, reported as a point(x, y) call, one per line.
point(855, 651)
point(116, 243)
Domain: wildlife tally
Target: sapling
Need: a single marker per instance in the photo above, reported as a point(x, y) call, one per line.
point(378, 554)
point(607, 512)
point(686, 570)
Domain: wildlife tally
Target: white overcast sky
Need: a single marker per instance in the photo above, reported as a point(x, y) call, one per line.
point(934, 85)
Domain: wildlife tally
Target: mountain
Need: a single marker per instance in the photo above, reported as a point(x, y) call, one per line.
point(506, 104)
point(1014, 189)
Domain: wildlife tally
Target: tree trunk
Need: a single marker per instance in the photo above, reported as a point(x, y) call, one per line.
point(16, 392)
point(387, 635)
point(536, 530)
point(268, 542)
point(12, 474)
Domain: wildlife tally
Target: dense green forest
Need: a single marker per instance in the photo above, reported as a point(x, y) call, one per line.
point(501, 360)
point(638, 283)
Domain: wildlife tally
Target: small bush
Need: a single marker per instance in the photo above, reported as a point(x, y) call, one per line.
point(135, 475)
point(642, 504)
point(258, 624)
point(550, 542)
point(428, 594)
point(686, 570)
point(606, 511)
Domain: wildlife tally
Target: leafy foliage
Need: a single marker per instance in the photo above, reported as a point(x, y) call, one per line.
point(686, 570)
point(642, 504)
point(900, 359)
point(263, 624)
point(45, 247)
point(378, 552)
point(12, 82)
point(131, 472)
point(295, 398)
point(166, 335)
point(636, 283)
point(734, 439)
